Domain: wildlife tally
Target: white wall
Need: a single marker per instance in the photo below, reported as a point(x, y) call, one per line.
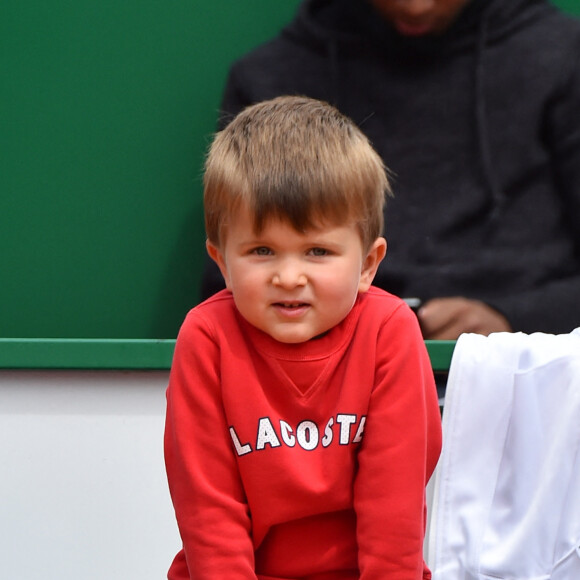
point(83, 492)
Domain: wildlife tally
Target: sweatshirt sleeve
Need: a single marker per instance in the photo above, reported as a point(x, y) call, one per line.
point(209, 501)
point(554, 306)
point(399, 451)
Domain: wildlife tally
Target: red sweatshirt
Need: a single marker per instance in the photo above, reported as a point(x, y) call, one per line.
point(301, 461)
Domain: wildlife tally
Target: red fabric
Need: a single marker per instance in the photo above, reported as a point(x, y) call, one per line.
point(309, 471)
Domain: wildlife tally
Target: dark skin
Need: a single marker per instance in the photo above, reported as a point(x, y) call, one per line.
point(441, 318)
point(447, 318)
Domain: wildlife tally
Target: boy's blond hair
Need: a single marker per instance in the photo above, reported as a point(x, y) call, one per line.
point(298, 160)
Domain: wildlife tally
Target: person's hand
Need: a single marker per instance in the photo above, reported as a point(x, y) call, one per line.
point(447, 318)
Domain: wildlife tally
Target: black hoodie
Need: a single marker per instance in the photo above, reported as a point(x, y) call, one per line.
point(481, 129)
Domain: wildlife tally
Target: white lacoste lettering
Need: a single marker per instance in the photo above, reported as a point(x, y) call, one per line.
point(307, 434)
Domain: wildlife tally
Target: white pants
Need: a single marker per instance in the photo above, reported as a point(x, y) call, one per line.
point(507, 489)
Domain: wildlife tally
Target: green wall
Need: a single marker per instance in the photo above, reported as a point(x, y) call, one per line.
point(106, 111)
point(571, 6)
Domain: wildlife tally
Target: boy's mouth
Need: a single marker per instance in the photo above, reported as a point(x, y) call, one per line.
point(291, 308)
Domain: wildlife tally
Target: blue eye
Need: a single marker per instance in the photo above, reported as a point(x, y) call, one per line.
point(262, 251)
point(319, 252)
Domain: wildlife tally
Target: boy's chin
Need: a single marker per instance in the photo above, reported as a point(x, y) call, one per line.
point(297, 336)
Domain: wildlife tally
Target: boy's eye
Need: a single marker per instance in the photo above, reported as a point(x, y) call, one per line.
point(262, 251)
point(319, 252)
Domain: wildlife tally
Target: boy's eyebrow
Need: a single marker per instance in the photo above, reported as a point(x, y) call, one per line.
point(311, 237)
point(253, 240)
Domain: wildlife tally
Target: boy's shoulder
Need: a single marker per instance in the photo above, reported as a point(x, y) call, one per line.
point(378, 299)
point(379, 308)
point(214, 312)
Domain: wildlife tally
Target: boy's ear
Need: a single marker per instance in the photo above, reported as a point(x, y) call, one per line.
point(370, 265)
point(216, 255)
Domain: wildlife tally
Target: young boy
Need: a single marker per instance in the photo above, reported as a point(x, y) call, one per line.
point(302, 418)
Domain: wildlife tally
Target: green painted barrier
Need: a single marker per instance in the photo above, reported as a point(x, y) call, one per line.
point(119, 354)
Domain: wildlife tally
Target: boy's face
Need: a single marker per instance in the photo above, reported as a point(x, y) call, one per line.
point(420, 17)
point(295, 286)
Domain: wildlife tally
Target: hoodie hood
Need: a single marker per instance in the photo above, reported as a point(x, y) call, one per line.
point(342, 26)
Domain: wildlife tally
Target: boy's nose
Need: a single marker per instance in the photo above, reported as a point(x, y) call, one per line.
point(289, 275)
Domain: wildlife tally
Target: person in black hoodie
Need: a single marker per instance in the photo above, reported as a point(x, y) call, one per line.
point(474, 105)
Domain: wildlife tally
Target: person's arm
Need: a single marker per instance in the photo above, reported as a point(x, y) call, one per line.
point(399, 450)
point(555, 306)
point(210, 505)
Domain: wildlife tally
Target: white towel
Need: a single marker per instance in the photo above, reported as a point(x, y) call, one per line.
point(507, 488)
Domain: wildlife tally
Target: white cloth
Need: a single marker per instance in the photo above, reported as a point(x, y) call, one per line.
point(507, 488)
